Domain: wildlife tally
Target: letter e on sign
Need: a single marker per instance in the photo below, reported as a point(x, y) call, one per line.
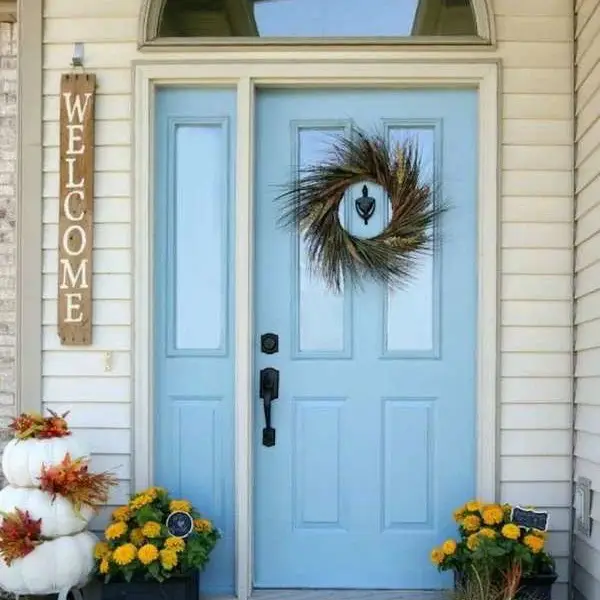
point(76, 204)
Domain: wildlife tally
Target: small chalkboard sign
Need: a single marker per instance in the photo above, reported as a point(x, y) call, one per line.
point(180, 524)
point(529, 518)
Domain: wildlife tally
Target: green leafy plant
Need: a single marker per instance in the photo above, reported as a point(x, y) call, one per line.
point(138, 544)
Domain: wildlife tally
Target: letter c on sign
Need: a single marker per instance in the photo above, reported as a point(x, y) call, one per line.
point(67, 205)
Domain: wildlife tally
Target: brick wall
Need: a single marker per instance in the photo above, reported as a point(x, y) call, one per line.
point(8, 154)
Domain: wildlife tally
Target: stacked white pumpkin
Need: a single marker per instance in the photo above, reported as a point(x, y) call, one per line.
point(65, 561)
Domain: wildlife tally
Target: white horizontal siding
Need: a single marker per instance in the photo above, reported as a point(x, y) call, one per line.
point(519, 80)
point(534, 261)
point(536, 443)
point(535, 46)
point(587, 289)
point(535, 27)
point(525, 209)
point(532, 8)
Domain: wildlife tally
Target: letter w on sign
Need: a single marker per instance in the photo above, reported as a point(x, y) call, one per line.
point(76, 202)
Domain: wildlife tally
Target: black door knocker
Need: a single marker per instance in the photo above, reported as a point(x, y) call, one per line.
point(365, 205)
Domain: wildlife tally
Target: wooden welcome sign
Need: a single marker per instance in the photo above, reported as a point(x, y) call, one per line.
point(76, 201)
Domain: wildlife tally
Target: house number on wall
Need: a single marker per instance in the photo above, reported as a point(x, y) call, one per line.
point(76, 198)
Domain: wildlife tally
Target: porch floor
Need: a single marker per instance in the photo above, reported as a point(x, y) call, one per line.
point(346, 595)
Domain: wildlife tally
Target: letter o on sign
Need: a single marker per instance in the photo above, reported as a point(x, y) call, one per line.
point(66, 239)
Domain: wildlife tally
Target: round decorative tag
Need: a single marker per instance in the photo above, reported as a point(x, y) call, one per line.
point(180, 524)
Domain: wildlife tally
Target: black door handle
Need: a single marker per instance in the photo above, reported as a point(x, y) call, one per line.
point(269, 391)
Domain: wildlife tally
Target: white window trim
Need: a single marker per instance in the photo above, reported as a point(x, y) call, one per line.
point(29, 206)
point(245, 71)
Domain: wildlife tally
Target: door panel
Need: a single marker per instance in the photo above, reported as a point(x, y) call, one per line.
point(193, 310)
point(376, 412)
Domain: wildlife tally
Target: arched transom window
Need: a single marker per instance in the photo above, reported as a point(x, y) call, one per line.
point(316, 19)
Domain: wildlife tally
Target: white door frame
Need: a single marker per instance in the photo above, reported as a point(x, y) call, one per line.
point(246, 70)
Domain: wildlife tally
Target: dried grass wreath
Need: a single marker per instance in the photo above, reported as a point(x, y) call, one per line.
point(311, 203)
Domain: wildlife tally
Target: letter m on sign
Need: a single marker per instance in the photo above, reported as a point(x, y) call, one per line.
point(75, 212)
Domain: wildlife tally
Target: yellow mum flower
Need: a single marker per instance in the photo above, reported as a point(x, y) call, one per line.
point(437, 556)
point(115, 530)
point(104, 566)
point(534, 542)
point(182, 505)
point(154, 491)
point(473, 506)
point(492, 514)
point(101, 550)
point(202, 525)
point(487, 532)
point(175, 543)
point(458, 513)
point(471, 523)
point(147, 554)
point(124, 554)
point(140, 501)
point(137, 537)
point(449, 547)
point(511, 531)
point(151, 529)
point(168, 559)
point(472, 541)
point(121, 514)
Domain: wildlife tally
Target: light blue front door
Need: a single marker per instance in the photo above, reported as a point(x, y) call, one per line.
point(375, 420)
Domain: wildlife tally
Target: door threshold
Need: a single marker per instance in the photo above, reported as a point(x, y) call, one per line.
point(349, 594)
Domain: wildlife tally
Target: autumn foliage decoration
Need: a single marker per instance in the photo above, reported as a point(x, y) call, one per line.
point(311, 203)
point(33, 425)
point(72, 479)
point(19, 535)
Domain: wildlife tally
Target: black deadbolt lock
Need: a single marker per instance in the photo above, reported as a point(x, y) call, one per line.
point(269, 343)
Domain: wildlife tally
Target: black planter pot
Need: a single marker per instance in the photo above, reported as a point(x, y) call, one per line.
point(181, 587)
point(534, 587)
point(537, 587)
